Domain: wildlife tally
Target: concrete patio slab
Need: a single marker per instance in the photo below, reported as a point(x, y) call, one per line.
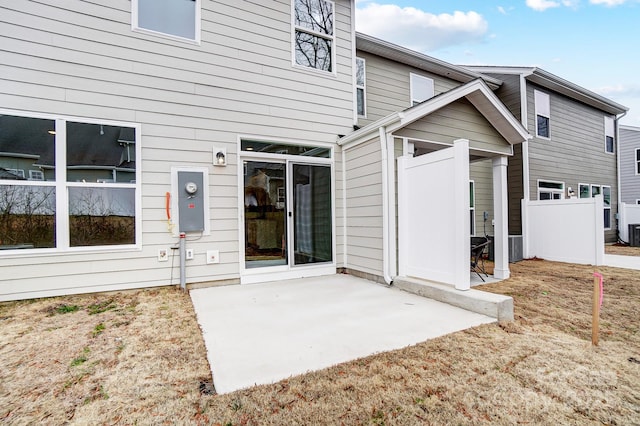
point(263, 333)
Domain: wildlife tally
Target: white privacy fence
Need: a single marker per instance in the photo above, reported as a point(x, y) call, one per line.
point(433, 215)
point(564, 230)
point(628, 214)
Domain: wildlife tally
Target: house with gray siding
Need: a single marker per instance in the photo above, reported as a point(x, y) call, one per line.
point(123, 126)
point(574, 147)
point(630, 164)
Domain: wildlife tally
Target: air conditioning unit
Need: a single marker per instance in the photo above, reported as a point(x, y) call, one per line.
point(634, 234)
point(515, 248)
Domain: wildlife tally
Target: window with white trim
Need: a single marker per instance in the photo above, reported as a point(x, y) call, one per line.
point(606, 201)
point(638, 201)
point(361, 86)
point(472, 207)
point(590, 191)
point(543, 114)
point(36, 175)
point(173, 18)
point(64, 203)
point(313, 34)
point(638, 161)
point(584, 190)
point(422, 88)
point(609, 135)
point(550, 190)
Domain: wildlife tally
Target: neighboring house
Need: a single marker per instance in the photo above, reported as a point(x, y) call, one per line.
point(122, 125)
point(414, 106)
point(629, 164)
point(573, 152)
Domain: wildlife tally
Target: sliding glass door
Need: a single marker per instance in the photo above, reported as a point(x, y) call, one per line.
point(311, 206)
point(287, 205)
point(265, 224)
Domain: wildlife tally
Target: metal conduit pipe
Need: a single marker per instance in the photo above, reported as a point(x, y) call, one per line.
point(183, 252)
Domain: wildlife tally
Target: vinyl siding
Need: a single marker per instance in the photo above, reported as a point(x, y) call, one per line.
point(575, 151)
point(363, 170)
point(388, 86)
point(481, 173)
point(81, 59)
point(457, 120)
point(629, 179)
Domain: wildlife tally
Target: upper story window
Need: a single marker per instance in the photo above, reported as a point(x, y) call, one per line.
point(67, 184)
point(591, 190)
point(173, 18)
point(361, 87)
point(609, 135)
point(638, 161)
point(421, 88)
point(543, 114)
point(314, 37)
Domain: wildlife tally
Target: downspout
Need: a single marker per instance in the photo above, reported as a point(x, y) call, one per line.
point(345, 259)
point(619, 183)
point(385, 204)
point(526, 192)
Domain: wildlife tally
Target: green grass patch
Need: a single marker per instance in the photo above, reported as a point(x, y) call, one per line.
point(66, 309)
point(98, 329)
point(98, 308)
point(81, 359)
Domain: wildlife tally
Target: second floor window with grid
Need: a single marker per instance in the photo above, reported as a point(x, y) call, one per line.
point(314, 37)
point(360, 87)
point(609, 135)
point(543, 114)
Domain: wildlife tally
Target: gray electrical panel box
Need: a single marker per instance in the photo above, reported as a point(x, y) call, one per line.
point(190, 201)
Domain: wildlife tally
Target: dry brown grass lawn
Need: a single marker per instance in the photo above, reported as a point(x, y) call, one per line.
point(138, 357)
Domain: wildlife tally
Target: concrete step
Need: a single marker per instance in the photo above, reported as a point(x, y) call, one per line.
point(494, 305)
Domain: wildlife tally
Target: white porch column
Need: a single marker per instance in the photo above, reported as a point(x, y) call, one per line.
point(501, 218)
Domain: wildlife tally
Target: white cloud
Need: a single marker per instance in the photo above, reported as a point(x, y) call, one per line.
point(419, 30)
point(609, 3)
point(542, 5)
point(502, 10)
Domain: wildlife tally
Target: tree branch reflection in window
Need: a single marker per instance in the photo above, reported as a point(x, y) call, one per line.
point(314, 35)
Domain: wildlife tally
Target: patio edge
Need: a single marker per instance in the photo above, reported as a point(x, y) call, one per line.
point(494, 305)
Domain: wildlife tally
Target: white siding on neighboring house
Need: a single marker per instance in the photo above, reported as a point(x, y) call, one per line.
point(629, 151)
point(82, 59)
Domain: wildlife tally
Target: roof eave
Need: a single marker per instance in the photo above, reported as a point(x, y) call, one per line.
point(421, 61)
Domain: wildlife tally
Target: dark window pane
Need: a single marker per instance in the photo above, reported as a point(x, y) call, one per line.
point(174, 17)
point(27, 148)
point(27, 216)
point(609, 143)
point(584, 191)
point(606, 196)
point(101, 216)
point(472, 222)
point(545, 196)
point(314, 15)
point(100, 153)
point(276, 148)
point(360, 97)
point(552, 185)
point(607, 218)
point(313, 51)
point(312, 214)
point(543, 126)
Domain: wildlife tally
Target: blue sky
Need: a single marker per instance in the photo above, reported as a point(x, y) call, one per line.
point(592, 43)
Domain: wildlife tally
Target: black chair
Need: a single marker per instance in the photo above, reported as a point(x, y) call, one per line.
point(477, 259)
